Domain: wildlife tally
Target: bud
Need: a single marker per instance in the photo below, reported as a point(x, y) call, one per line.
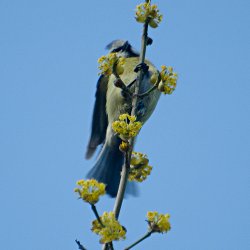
point(119, 69)
point(161, 86)
point(140, 19)
point(153, 24)
point(124, 146)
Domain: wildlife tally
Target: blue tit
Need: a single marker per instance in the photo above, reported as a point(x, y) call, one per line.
point(109, 104)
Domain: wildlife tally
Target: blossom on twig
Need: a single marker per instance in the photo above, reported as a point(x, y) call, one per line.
point(109, 62)
point(139, 168)
point(90, 190)
point(158, 222)
point(168, 80)
point(111, 229)
point(126, 127)
point(146, 11)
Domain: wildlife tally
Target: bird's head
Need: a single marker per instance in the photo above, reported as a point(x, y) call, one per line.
point(123, 48)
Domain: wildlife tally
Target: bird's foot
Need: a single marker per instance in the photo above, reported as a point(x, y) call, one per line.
point(141, 66)
point(149, 40)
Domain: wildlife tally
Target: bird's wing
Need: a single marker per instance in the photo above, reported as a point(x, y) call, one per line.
point(99, 119)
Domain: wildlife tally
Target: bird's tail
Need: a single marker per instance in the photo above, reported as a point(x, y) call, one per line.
point(108, 168)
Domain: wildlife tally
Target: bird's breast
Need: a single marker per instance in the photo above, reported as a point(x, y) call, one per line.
point(116, 104)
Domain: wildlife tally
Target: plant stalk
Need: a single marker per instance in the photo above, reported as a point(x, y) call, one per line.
point(140, 240)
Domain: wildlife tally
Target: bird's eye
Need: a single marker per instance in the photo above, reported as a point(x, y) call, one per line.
point(117, 49)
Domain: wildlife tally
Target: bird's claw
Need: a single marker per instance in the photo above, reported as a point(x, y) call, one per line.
point(149, 41)
point(141, 66)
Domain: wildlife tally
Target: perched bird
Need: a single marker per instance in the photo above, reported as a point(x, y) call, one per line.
point(109, 104)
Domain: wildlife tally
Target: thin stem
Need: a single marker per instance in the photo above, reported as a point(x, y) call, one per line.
point(131, 84)
point(96, 214)
point(111, 245)
point(140, 73)
point(122, 185)
point(108, 246)
point(126, 166)
point(121, 84)
point(140, 240)
point(80, 246)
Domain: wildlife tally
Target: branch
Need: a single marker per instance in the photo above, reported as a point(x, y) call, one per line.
point(140, 240)
point(126, 166)
point(96, 214)
point(107, 246)
point(80, 246)
point(131, 84)
point(119, 83)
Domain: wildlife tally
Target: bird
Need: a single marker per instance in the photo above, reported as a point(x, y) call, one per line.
point(110, 102)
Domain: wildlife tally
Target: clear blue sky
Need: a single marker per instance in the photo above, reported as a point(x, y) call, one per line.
point(197, 140)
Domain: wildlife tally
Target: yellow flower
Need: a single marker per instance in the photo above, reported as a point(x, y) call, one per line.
point(124, 146)
point(163, 67)
point(126, 127)
point(146, 11)
point(90, 190)
point(168, 80)
point(158, 222)
point(108, 62)
point(112, 229)
point(139, 168)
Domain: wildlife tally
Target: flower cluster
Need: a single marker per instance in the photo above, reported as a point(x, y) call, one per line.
point(111, 229)
point(139, 168)
point(90, 190)
point(158, 222)
point(146, 11)
point(168, 80)
point(126, 127)
point(109, 62)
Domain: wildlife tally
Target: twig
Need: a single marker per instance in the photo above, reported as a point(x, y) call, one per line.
point(96, 214)
point(122, 185)
point(131, 84)
point(80, 246)
point(126, 166)
point(119, 83)
point(111, 245)
point(107, 246)
point(140, 240)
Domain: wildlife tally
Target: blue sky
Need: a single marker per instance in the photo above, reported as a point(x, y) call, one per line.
point(197, 139)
